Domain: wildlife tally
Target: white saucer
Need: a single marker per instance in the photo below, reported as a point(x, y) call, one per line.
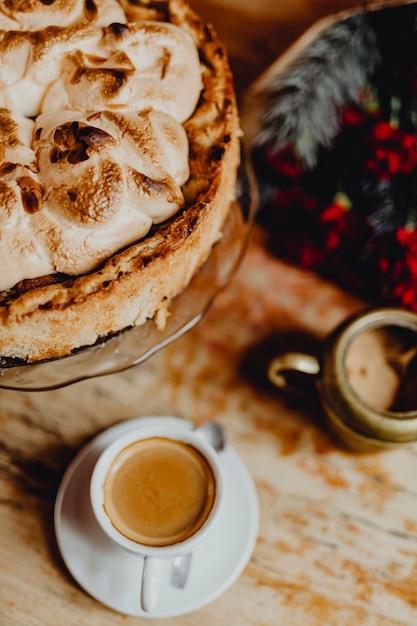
point(110, 574)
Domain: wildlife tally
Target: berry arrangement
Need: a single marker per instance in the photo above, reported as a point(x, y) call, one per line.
point(353, 217)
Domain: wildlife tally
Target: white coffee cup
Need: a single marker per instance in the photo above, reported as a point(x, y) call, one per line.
point(158, 492)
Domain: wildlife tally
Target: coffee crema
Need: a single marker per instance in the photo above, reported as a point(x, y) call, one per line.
point(159, 491)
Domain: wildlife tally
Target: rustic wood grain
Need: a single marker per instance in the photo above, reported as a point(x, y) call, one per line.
point(338, 531)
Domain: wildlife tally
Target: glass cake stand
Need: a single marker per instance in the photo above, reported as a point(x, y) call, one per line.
point(137, 344)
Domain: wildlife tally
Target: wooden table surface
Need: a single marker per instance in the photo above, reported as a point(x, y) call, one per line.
point(337, 541)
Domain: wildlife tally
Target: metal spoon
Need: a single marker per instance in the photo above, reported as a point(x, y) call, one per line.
point(180, 570)
point(400, 362)
point(213, 433)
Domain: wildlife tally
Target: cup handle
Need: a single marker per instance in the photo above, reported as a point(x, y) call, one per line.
point(151, 577)
point(299, 362)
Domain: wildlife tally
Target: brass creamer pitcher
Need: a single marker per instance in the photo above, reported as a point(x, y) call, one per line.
point(366, 377)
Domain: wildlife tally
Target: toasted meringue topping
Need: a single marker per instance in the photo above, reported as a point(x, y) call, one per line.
point(31, 61)
point(101, 183)
point(37, 15)
point(22, 254)
point(108, 155)
point(86, 67)
point(135, 66)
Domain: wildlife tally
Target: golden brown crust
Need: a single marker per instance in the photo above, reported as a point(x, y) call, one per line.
point(53, 320)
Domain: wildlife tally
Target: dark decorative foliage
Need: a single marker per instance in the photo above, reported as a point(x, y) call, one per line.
point(338, 175)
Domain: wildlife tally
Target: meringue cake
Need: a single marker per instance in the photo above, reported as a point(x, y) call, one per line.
point(119, 148)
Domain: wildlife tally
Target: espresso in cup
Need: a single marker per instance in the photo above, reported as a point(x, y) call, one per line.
point(159, 491)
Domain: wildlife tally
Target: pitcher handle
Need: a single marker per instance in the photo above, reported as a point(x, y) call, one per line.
point(291, 362)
